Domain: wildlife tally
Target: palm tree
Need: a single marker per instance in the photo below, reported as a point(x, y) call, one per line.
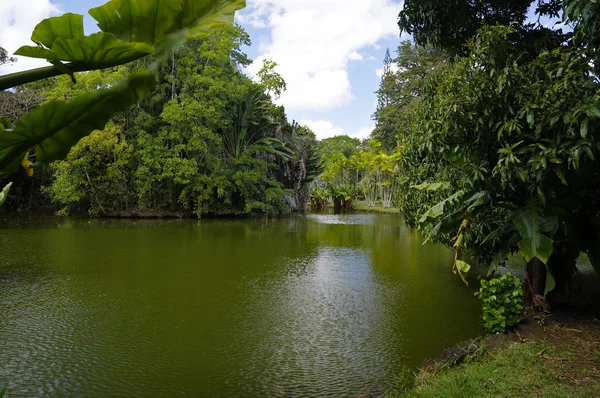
point(252, 129)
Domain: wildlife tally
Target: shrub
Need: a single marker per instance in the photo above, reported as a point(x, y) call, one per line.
point(502, 298)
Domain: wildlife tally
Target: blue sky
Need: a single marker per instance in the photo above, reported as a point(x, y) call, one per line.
point(328, 51)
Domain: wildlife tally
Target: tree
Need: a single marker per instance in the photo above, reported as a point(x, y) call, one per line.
point(126, 35)
point(304, 165)
point(95, 176)
point(209, 140)
point(510, 141)
point(271, 80)
point(450, 24)
point(385, 127)
point(584, 16)
point(4, 58)
point(400, 87)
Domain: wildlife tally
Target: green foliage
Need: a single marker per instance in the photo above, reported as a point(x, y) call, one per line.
point(402, 80)
point(126, 34)
point(271, 80)
point(319, 197)
point(62, 39)
point(56, 126)
point(208, 141)
point(366, 167)
point(532, 225)
point(405, 381)
point(502, 298)
point(131, 29)
point(584, 15)
point(597, 354)
point(514, 129)
point(4, 193)
point(450, 24)
point(516, 370)
point(342, 196)
point(432, 187)
point(95, 175)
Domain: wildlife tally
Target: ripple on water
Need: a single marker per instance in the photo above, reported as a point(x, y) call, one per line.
point(291, 308)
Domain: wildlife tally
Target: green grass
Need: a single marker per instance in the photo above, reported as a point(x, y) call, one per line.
point(519, 370)
point(361, 206)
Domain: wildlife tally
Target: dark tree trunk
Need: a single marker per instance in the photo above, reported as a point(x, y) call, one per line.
point(535, 283)
point(337, 206)
point(348, 205)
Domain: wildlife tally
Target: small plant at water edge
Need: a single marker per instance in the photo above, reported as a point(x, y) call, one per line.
point(502, 298)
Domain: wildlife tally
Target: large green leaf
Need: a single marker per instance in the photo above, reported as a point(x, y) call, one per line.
point(532, 225)
point(56, 126)
point(152, 21)
point(432, 186)
point(131, 29)
point(439, 209)
point(99, 50)
point(67, 26)
point(62, 39)
point(4, 193)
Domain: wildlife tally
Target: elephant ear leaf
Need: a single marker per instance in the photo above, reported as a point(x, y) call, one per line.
point(128, 19)
point(47, 32)
point(131, 29)
point(532, 226)
point(68, 26)
point(56, 126)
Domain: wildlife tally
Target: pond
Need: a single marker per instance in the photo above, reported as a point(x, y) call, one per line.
point(321, 305)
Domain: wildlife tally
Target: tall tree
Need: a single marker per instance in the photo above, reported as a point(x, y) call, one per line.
point(450, 24)
point(5, 58)
point(385, 127)
point(270, 79)
point(400, 86)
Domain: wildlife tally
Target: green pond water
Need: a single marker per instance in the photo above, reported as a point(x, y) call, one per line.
point(322, 305)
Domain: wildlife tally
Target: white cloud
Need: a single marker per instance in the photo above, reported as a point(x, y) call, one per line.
point(355, 56)
point(313, 41)
point(363, 132)
point(393, 67)
point(325, 129)
point(18, 18)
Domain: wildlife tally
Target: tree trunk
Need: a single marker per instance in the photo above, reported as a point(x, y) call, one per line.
point(535, 283)
point(337, 206)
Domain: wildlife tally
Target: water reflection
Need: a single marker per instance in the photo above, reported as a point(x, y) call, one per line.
point(306, 306)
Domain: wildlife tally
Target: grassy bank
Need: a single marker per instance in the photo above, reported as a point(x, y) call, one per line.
point(361, 206)
point(560, 361)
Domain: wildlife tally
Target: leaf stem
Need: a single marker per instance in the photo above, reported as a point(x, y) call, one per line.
point(28, 76)
point(33, 75)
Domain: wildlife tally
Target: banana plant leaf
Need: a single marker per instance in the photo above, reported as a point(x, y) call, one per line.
point(532, 226)
point(432, 186)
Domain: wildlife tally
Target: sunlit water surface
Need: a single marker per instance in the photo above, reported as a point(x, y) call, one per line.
point(323, 305)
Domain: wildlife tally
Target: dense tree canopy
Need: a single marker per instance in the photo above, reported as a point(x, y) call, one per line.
point(499, 143)
point(209, 140)
point(450, 24)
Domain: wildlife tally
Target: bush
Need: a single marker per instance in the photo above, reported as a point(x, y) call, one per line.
point(502, 298)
